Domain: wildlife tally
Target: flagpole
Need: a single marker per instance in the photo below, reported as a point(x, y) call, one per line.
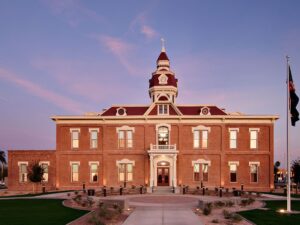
point(287, 137)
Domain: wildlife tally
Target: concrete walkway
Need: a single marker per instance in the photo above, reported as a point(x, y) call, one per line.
point(162, 215)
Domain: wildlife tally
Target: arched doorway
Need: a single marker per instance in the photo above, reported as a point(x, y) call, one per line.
point(163, 173)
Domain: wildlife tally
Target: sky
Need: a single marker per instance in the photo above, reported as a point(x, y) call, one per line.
point(69, 57)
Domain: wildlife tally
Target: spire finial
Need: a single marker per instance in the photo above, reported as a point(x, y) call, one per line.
point(163, 49)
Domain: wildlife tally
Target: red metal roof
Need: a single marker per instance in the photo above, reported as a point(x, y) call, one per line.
point(130, 110)
point(172, 81)
point(163, 56)
point(195, 110)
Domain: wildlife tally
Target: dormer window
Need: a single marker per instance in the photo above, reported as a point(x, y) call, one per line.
point(204, 111)
point(163, 109)
point(121, 112)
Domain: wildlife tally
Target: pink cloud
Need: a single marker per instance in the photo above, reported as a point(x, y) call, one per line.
point(149, 32)
point(52, 97)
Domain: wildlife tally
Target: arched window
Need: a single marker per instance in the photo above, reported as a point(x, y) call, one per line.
point(163, 135)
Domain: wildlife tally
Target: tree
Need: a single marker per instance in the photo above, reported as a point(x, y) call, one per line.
point(3, 162)
point(35, 173)
point(276, 169)
point(296, 172)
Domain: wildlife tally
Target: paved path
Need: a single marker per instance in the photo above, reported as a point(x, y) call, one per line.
point(162, 215)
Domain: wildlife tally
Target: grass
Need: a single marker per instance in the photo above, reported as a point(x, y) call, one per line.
point(32, 195)
point(282, 194)
point(272, 217)
point(36, 212)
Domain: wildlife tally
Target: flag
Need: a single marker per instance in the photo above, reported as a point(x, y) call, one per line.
point(294, 99)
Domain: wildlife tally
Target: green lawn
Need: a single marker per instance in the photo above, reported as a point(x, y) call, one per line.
point(32, 195)
point(282, 194)
point(36, 212)
point(272, 217)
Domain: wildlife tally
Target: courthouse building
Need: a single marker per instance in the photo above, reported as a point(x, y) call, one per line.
point(157, 144)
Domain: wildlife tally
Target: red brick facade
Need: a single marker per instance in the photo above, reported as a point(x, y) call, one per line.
point(146, 153)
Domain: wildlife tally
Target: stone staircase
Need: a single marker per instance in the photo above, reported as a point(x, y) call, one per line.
point(162, 190)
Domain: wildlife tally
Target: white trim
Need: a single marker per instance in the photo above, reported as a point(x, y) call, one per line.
point(201, 127)
point(163, 79)
point(163, 104)
point(93, 129)
point(74, 162)
point(125, 128)
point(93, 162)
point(254, 129)
point(74, 129)
point(22, 162)
point(201, 161)
point(162, 125)
point(233, 162)
point(208, 111)
point(254, 163)
point(125, 112)
point(234, 129)
point(44, 162)
point(125, 161)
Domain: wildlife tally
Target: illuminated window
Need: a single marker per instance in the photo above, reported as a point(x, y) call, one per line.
point(75, 172)
point(200, 136)
point(204, 138)
point(23, 172)
point(94, 172)
point(129, 139)
point(253, 137)
point(125, 172)
point(45, 166)
point(125, 137)
point(196, 139)
point(163, 135)
point(233, 138)
point(121, 139)
point(163, 109)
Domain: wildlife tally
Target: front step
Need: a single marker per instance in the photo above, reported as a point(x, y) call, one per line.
point(162, 190)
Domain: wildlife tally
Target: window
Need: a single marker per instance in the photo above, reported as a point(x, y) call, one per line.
point(163, 109)
point(94, 138)
point(233, 138)
point(125, 137)
point(196, 139)
point(254, 173)
point(253, 137)
point(45, 166)
point(163, 135)
point(205, 172)
point(23, 172)
point(129, 139)
point(125, 172)
point(74, 172)
point(94, 172)
point(233, 172)
point(196, 172)
point(75, 138)
point(204, 138)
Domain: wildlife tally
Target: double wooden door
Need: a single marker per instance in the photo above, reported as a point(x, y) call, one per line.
point(163, 176)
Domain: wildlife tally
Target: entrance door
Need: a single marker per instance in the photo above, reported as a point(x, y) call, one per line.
point(163, 176)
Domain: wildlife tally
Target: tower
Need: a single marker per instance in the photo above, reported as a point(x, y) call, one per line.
point(163, 84)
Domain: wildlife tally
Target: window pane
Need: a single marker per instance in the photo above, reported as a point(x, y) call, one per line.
point(253, 134)
point(94, 135)
point(196, 167)
point(75, 135)
point(232, 143)
point(196, 143)
point(129, 168)
point(253, 144)
point(233, 134)
point(121, 137)
point(233, 177)
point(204, 138)
point(129, 139)
point(122, 176)
point(253, 168)
point(196, 176)
point(233, 167)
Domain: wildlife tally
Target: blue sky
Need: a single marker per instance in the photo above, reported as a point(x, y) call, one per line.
point(67, 57)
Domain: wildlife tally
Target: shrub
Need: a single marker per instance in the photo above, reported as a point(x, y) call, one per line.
point(229, 203)
point(219, 204)
point(207, 208)
point(90, 201)
point(76, 192)
point(77, 199)
point(68, 194)
point(215, 221)
point(94, 220)
point(236, 218)
point(248, 201)
point(227, 214)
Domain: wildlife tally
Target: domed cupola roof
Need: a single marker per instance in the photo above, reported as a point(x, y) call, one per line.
point(163, 79)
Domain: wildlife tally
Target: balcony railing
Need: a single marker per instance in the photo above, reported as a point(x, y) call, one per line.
point(162, 147)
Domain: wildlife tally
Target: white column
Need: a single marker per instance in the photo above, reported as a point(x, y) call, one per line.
point(151, 171)
point(174, 171)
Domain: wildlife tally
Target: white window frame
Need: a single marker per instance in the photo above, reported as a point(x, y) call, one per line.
point(236, 130)
point(126, 130)
point(200, 162)
point(41, 163)
point(72, 143)
point(258, 165)
point(125, 162)
point(71, 164)
point(201, 128)
point(256, 143)
point(91, 130)
point(237, 163)
point(20, 172)
point(91, 172)
point(164, 107)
